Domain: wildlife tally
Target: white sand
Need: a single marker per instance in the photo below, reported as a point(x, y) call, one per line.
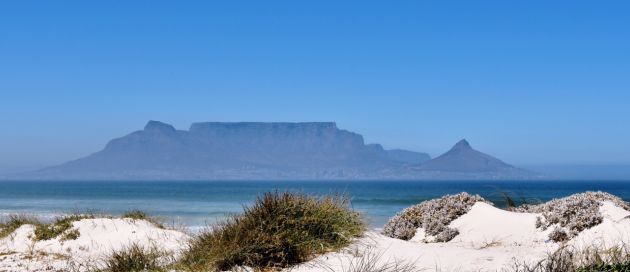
point(613, 231)
point(98, 238)
point(490, 239)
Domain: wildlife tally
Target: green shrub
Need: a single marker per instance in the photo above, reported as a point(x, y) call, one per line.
point(134, 258)
point(141, 215)
point(279, 230)
point(15, 221)
point(70, 235)
point(58, 227)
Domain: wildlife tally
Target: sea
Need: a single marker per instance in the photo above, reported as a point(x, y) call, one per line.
point(199, 204)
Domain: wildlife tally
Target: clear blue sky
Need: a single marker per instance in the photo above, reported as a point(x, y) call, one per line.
point(528, 81)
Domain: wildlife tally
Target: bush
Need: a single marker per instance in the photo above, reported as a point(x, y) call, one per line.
point(279, 230)
point(135, 258)
point(14, 221)
point(141, 215)
point(433, 216)
point(558, 235)
point(58, 227)
point(70, 235)
point(570, 259)
point(572, 214)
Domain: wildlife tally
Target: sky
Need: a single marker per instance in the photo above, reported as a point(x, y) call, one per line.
point(530, 82)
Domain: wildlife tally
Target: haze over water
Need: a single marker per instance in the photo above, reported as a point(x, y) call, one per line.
point(199, 203)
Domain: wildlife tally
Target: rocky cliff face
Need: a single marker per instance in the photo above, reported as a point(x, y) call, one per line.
point(248, 150)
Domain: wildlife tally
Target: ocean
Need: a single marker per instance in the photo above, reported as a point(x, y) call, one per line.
point(197, 204)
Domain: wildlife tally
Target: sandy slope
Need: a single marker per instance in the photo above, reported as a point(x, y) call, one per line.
point(613, 231)
point(98, 238)
point(490, 239)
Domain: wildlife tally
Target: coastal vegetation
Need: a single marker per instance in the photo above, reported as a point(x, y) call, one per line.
point(572, 214)
point(278, 230)
point(136, 258)
point(14, 221)
point(136, 214)
point(431, 215)
point(43, 231)
point(61, 226)
point(283, 229)
point(571, 259)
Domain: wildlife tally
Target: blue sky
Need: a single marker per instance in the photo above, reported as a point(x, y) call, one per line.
point(531, 82)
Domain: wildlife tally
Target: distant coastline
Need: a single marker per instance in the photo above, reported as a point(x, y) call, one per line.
point(276, 151)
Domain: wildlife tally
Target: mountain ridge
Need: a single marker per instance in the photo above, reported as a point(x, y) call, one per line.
point(262, 150)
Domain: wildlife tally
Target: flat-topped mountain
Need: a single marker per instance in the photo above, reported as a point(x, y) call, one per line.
point(255, 150)
point(243, 150)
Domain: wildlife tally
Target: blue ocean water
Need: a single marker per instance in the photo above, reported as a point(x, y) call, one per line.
point(200, 203)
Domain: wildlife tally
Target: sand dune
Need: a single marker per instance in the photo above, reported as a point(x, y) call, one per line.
point(489, 239)
point(98, 238)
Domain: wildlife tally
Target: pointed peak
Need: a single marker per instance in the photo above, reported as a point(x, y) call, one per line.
point(158, 126)
point(462, 144)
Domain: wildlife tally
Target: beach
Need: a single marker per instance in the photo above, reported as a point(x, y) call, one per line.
point(489, 238)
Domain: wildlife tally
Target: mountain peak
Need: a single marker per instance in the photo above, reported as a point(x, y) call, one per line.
point(463, 158)
point(158, 126)
point(462, 144)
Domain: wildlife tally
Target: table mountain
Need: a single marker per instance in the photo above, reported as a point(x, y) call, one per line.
point(255, 150)
point(243, 150)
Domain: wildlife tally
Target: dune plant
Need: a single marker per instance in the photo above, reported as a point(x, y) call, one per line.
point(570, 259)
point(135, 258)
point(14, 221)
point(278, 230)
point(433, 216)
point(59, 227)
point(571, 215)
point(141, 215)
point(370, 260)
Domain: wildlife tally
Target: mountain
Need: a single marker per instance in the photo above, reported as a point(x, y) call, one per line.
point(462, 161)
point(244, 150)
point(407, 156)
point(271, 151)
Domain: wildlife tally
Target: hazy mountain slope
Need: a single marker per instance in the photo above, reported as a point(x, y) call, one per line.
point(252, 150)
point(249, 150)
point(464, 161)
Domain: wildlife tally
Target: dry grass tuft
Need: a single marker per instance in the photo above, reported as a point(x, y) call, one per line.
point(141, 215)
point(568, 259)
point(372, 261)
point(59, 227)
point(279, 230)
point(135, 258)
point(15, 221)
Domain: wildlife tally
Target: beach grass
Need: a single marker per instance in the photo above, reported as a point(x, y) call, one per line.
point(135, 258)
point(567, 258)
point(59, 227)
point(370, 260)
point(136, 214)
point(14, 221)
point(278, 230)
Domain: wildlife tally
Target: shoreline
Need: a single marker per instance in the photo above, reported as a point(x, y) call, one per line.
point(488, 239)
